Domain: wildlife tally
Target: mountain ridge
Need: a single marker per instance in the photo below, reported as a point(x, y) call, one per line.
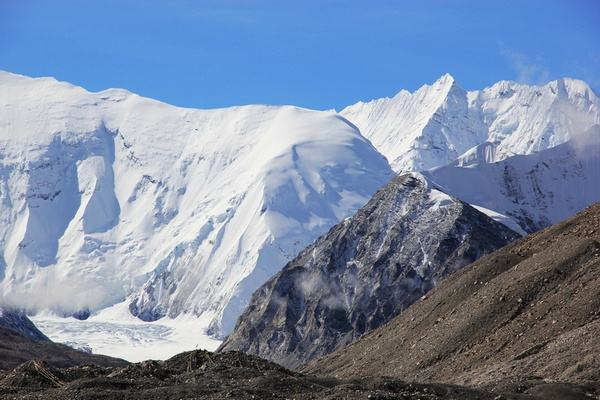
point(438, 123)
point(126, 193)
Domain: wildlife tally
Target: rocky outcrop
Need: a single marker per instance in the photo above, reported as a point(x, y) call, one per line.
point(364, 272)
point(17, 321)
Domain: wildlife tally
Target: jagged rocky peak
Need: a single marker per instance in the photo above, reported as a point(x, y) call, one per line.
point(364, 271)
point(529, 311)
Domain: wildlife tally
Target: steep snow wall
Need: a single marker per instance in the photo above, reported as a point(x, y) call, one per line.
point(110, 197)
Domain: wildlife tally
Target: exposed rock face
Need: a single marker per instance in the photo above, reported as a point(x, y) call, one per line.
point(364, 272)
point(531, 309)
point(18, 322)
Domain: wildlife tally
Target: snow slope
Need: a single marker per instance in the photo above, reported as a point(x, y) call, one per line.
point(110, 197)
point(533, 191)
point(441, 122)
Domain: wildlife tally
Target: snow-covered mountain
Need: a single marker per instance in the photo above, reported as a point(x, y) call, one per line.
point(533, 191)
point(116, 203)
point(110, 197)
point(415, 231)
point(440, 122)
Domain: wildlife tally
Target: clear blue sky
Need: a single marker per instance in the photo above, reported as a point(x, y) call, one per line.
point(318, 54)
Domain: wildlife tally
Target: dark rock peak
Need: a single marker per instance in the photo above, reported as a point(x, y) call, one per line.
point(364, 272)
point(18, 322)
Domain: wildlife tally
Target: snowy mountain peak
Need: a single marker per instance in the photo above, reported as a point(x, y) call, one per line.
point(441, 122)
point(439, 90)
point(110, 197)
point(563, 88)
point(419, 130)
point(573, 88)
point(445, 81)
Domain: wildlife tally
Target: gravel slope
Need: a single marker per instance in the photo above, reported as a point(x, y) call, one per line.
point(529, 310)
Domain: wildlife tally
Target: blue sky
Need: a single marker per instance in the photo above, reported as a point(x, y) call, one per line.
point(317, 54)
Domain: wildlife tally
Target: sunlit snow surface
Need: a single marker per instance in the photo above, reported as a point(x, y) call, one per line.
point(530, 192)
point(115, 333)
point(109, 196)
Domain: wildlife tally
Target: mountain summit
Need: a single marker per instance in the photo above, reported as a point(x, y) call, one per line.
point(364, 272)
point(438, 123)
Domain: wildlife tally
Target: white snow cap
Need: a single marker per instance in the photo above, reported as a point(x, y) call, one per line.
point(109, 197)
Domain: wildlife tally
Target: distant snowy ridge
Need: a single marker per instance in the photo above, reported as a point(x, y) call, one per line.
point(533, 191)
point(107, 197)
point(441, 122)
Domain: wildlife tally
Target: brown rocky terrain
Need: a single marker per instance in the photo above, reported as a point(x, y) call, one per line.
point(234, 375)
point(529, 312)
